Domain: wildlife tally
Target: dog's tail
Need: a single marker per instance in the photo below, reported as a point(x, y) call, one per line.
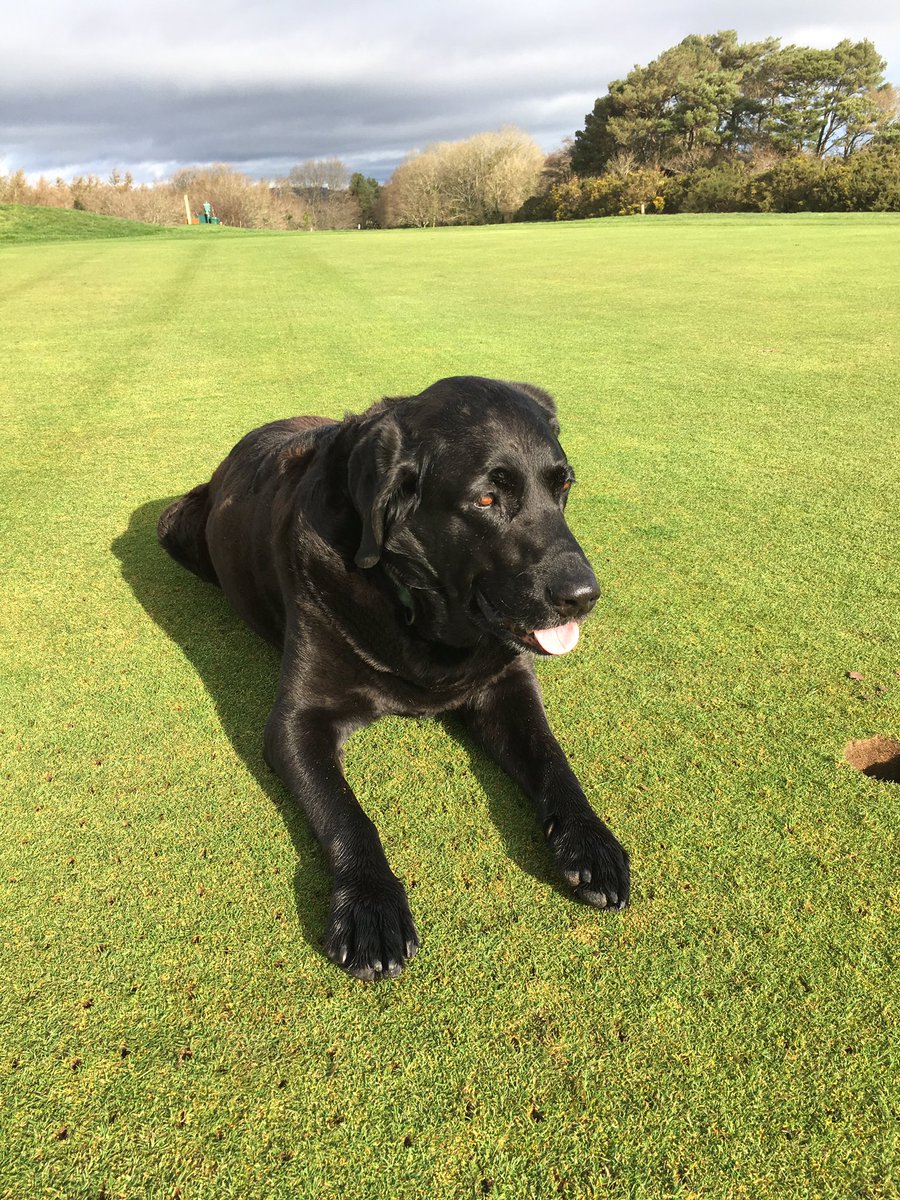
point(182, 532)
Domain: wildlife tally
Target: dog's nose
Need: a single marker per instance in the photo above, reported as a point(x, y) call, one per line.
point(574, 593)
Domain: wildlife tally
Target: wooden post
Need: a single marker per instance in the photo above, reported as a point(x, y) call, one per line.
point(187, 209)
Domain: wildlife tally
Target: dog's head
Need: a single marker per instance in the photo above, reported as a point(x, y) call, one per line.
point(461, 492)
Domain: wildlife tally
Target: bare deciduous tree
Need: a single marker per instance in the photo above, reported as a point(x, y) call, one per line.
point(484, 178)
point(319, 174)
point(320, 187)
point(235, 198)
point(413, 196)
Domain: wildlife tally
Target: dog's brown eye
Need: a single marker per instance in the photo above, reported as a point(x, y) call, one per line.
point(485, 501)
point(566, 486)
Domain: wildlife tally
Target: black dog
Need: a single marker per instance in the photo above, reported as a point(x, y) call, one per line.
point(408, 560)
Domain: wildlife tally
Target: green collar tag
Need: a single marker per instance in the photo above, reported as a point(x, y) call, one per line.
point(405, 597)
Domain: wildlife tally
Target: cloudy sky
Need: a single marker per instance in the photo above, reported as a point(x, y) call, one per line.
point(88, 85)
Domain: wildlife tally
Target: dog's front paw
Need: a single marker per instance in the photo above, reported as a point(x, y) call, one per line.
point(590, 859)
point(370, 931)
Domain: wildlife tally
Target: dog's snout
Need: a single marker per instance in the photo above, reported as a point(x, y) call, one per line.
point(574, 592)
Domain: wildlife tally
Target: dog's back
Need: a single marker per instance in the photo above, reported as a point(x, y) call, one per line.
point(182, 527)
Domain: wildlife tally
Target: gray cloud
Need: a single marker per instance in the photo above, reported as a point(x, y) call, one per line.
point(264, 86)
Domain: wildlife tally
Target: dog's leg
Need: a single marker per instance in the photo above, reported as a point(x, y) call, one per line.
point(508, 720)
point(370, 928)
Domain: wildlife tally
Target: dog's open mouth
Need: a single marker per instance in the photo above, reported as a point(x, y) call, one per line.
point(558, 639)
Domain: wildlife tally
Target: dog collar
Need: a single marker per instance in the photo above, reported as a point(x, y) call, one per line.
point(409, 609)
point(404, 595)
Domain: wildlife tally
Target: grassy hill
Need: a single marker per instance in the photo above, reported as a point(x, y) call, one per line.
point(29, 223)
point(168, 1023)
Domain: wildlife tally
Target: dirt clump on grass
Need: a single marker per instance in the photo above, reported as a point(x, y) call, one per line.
point(878, 757)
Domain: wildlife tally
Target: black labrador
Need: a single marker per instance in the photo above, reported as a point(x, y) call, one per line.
point(410, 560)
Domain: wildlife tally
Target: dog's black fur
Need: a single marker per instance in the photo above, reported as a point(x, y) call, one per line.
point(401, 560)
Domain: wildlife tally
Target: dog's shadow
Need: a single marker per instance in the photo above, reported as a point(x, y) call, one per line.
point(240, 673)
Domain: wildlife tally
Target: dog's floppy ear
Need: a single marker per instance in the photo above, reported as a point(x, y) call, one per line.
point(544, 400)
point(379, 473)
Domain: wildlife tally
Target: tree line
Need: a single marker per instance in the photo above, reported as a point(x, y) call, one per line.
point(713, 96)
point(716, 125)
point(711, 125)
point(479, 180)
point(316, 194)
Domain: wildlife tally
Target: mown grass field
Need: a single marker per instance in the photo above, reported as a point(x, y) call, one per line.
point(168, 1024)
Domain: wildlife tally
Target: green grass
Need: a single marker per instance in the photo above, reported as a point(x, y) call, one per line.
point(22, 223)
point(728, 391)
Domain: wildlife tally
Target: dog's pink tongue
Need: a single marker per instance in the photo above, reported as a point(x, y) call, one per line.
point(558, 640)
